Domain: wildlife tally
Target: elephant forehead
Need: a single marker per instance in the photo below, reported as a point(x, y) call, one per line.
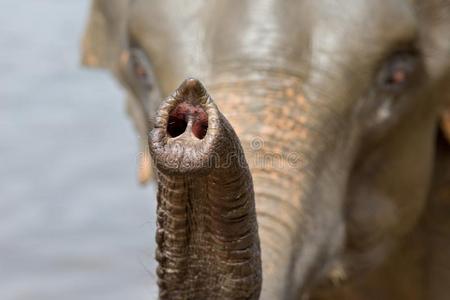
point(359, 29)
point(205, 35)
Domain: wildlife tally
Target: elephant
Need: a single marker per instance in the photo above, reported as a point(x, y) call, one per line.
point(301, 148)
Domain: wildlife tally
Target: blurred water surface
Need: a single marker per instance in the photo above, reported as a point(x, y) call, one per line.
point(74, 224)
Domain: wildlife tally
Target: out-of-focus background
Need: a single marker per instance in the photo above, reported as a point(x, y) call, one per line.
point(74, 223)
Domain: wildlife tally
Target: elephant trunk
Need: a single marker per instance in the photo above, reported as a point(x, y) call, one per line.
point(207, 236)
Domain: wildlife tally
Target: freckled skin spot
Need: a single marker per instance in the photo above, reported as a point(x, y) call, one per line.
point(290, 92)
point(301, 101)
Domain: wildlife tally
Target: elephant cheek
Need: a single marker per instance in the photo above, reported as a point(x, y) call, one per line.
point(293, 161)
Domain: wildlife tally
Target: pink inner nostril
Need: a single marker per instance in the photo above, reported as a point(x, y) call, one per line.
point(181, 114)
point(200, 126)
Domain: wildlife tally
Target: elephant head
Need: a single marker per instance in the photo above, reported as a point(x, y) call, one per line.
point(302, 156)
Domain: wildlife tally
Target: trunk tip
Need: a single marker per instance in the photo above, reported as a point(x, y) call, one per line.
point(192, 90)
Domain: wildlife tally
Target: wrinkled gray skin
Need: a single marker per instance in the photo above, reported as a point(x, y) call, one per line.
point(363, 209)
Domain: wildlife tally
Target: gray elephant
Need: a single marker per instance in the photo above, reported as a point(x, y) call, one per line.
point(308, 160)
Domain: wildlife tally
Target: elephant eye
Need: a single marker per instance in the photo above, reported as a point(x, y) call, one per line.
point(139, 67)
point(399, 71)
point(139, 70)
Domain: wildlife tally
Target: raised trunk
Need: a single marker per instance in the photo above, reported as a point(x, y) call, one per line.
point(207, 238)
point(204, 179)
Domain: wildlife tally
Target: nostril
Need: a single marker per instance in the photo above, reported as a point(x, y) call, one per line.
point(176, 126)
point(200, 128)
point(184, 113)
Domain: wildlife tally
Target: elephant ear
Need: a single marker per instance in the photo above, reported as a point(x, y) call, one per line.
point(106, 33)
point(106, 44)
point(435, 42)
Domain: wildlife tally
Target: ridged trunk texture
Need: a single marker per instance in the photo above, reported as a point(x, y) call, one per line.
point(208, 246)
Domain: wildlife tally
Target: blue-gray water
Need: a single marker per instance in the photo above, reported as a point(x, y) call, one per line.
point(74, 224)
